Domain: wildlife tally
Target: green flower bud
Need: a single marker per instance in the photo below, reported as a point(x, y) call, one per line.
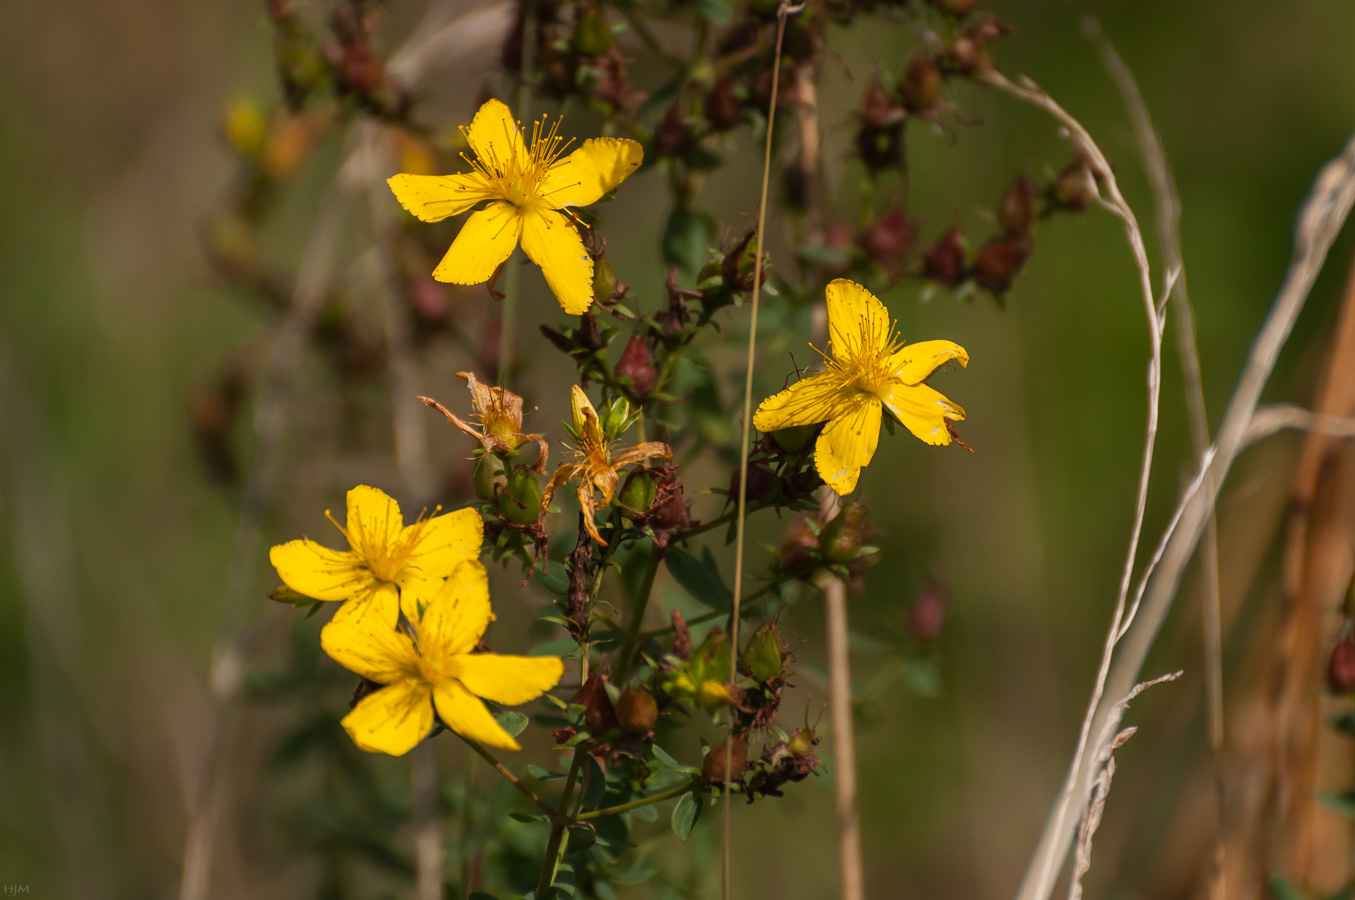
point(489, 477)
point(636, 711)
point(246, 127)
point(711, 269)
point(802, 742)
point(593, 37)
point(639, 494)
point(840, 541)
point(793, 440)
point(520, 500)
point(604, 279)
point(762, 655)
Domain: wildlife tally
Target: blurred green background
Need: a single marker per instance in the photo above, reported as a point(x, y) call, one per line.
point(112, 586)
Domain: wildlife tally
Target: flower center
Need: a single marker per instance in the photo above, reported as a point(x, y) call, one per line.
point(864, 363)
point(384, 554)
point(512, 178)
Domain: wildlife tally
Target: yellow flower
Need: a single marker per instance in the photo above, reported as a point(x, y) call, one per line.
point(594, 465)
point(427, 664)
point(530, 190)
point(869, 369)
point(500, 413)
point(389, 566)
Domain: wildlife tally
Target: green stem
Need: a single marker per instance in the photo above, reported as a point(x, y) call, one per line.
point(706, 526)
point(511, 778)
point(555, 845)
point(642, 31)
point(669, 794)
point(632, 640)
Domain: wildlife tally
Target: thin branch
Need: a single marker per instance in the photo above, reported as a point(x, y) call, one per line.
point(1274, 417)
point(669, 794)
point(1167, 205)
point(1039, 879)
point(510, 777)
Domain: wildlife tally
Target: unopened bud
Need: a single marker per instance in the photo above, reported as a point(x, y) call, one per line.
point(593, 33)
point(639, 494)
point(946, 261)
point(760, 483)
point(927, 614)
point(672, 137)
point(762, 655)
point(1341, 668)
point(1074, 189)
point(520, 499)
point(636, 366)
point(722, 107)
point(841, 538)
point(489, 478)
point(998, 262)
point(245, 127)
point(802, 742)
point(1016, 213)
point(598, 712)
point(604, 280)
point(713, 766)
point(793, 440)
point(889, 239)
point(921, 87)
point(799, 542)
point(636, 711)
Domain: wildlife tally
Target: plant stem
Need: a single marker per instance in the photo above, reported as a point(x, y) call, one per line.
point(668, 794)
point(711, 616)
point(555, 845)
point(511, 778)
point(637, 618)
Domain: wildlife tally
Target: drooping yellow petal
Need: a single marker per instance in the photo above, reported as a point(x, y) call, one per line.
point(380, 605)
point(848, 443)
point(485, 241)
point(393, 720)
point(510, 680)
point(916, 362)
point(373, 649)
point(433, 198)
point(806, 402)
point(374, 519)
point(857, 320)
point(592, 170)
point(552, 242)
point(588, 506)
point(317, 571)
point(923, 410)
point(496, 139)
point(446, 541)
point(456, 617)
point(641, 452)
point(462, 711)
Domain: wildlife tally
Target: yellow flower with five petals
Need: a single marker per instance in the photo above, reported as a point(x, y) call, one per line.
point(594, 466)
point(868, 370)
point(427, 664)
point(529, 189)
point(389, 566)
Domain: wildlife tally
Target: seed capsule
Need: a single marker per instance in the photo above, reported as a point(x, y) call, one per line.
point(636, 711)
point(713, 766)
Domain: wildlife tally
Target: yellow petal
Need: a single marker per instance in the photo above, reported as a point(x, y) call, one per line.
point(923, 410)
point(552, 242)
point(592, 170)
point(433, 198)
point(317, 571)
point(393, 720)
point(456, 617)
point(581, 408)
point(374, 519)
point(446, 541)
point(417, 590)
point(380, 604)
point(806, 402)
point(510, 680)
point(856, 319)
point(496, 139)
point(373, 649)
point(462, 711)
point(485, 241)
point(916, 362)
point(587, 506)
point(848, 443)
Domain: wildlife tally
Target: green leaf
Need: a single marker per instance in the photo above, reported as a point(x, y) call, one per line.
point(528, 817)
point(665, 760)
point(541, 774)
point(685, 814)
point(1339, 802)
point(558, 647)
point(716, 12)
point(597, 782)
point(700, 578)
point(556, 581)
point(699, 157)
point(511, 721)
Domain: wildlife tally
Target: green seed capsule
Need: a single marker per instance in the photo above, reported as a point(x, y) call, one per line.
point(520, 500)
point(762, 655)
point(488, 476)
